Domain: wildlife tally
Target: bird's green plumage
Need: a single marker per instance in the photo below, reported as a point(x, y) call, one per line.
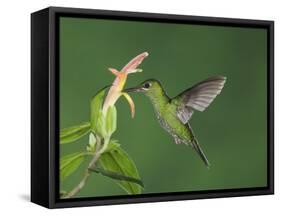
point(173, 114)
point(166, 109)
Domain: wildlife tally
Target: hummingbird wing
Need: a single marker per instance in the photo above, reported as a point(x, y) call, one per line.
point(198, 97)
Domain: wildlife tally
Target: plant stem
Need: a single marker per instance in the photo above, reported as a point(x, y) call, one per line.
point(88, 172)
point(81, 184)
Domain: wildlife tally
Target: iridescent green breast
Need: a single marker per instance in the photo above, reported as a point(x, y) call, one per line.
point(169, 121)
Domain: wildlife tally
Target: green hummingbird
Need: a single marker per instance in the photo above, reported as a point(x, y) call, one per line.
point(174, 114)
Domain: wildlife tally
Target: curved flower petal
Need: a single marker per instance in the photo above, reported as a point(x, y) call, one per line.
point(134, 63)
point(119, 82)
point(114, 71)
point(131, 103)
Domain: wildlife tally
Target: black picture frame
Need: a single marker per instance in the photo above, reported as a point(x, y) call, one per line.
point(45, 112)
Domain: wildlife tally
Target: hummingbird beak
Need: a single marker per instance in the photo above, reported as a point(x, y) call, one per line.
point(134, 89)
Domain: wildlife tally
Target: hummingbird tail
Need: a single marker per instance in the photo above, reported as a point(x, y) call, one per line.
point(200, 152)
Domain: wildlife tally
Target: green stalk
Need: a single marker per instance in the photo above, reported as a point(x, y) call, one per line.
point(99, 150)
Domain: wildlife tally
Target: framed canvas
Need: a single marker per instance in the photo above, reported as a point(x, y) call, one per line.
point(139, 107)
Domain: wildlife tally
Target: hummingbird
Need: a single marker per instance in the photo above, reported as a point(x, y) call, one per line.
point(174, 113)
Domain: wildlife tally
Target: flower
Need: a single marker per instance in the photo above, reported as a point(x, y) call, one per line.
point(115, 90)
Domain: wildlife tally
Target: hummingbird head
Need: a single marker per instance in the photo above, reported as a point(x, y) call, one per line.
point(148, 87)
point(151, 88)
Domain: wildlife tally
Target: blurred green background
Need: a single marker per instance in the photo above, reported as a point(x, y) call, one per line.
point(232, 131)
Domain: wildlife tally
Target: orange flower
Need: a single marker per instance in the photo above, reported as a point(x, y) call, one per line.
point(121, 76)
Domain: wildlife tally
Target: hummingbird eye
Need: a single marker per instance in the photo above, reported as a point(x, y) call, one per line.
point(147, 85)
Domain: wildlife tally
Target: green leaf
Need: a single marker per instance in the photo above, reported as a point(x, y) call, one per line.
point(92, 143)
point(111, 120)
point(118, 161)
point(117, 176)
point(92, 140)
point(113, 144)
point(96, 107)
point(100, 124)
point(74, 133)
point(69, 163)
